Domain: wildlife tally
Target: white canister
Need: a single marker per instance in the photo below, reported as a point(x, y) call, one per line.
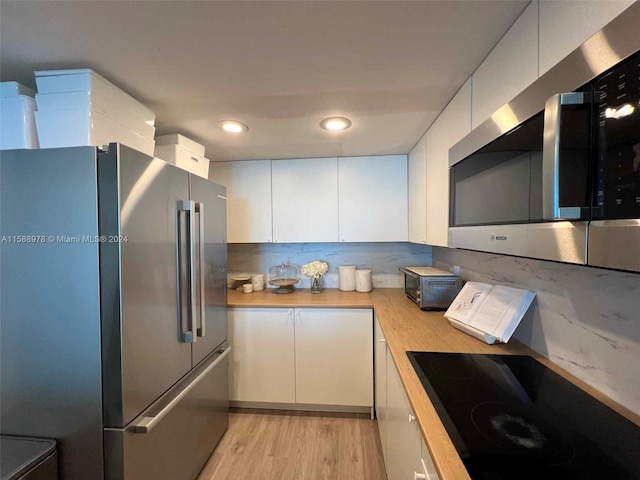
point(363, 280)
point(258, 282)
point(347, 278)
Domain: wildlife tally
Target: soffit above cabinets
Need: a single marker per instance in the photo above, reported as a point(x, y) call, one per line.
point(279, 67)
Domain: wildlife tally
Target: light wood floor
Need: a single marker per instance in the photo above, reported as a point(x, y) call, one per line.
point(289, 445)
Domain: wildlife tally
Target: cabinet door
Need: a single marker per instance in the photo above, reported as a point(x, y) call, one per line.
point(418, 192)
point(428, 466)
point(452, 124)
point(305, 200)
point(380, 368)
point(261, 366)
point(510, 67)
point(248, 199)
point(334, 356)
point(373, 199)
point(564, 26)
point(403, 433)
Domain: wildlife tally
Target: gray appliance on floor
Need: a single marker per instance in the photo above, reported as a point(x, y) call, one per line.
point(113, 293)
point(23, 458)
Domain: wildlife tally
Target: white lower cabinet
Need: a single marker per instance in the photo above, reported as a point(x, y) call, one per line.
point(406, 456)
point(311, 356)
point(262, 358)
point(428, 467)
point(334, 356)
point(403, 433)
point(380, 368)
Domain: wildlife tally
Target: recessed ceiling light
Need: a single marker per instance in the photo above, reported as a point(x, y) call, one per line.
point(232, 126)
point(335, 123)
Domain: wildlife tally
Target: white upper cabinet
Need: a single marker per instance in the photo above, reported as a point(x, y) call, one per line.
point(373, 199)
point(418, 192)
point(510, 67)
point(248, 199)
point(453, 123)
point(305, 200)
point(564, 26)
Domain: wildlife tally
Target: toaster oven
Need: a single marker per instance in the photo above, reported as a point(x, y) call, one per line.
point(431, 288)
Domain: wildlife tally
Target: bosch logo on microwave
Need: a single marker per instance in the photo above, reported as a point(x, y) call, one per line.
point(502, 238)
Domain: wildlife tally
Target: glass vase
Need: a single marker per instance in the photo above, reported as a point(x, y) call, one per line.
point(316, 284)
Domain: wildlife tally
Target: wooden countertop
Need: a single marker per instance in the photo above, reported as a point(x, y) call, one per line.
point(329, 298)
point(407, 328)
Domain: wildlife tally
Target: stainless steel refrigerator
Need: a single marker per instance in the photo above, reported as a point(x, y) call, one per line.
point(113, 311)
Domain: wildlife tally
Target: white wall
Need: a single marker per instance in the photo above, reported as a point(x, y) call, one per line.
point(587, 320)
point(383, 258)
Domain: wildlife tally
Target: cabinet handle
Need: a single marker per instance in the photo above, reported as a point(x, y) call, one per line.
point(268, 240)
point(551, 209)
point(382, 340)
point(419, 476)
point(412, 418)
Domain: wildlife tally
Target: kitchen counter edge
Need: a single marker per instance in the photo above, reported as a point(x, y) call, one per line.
point(303, 298)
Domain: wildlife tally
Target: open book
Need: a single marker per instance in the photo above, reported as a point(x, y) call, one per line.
point(489, 312)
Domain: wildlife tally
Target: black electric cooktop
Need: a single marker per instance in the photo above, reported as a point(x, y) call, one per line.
point(512, 418)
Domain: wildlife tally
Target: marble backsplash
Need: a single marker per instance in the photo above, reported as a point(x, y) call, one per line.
point(587, 320)
point(383, 259)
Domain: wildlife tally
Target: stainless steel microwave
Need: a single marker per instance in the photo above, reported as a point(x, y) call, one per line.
point(555, 174)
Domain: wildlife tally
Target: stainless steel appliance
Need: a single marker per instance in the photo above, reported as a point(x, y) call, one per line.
point(430, 288)
point(23, 458)
point(510, 417)
point(113, 303)
point(555, 174)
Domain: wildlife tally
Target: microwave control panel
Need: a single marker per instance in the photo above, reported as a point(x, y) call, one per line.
point(617, 192)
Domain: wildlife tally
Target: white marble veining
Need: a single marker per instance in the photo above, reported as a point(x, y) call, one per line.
point(383, 259)
point(585, 319)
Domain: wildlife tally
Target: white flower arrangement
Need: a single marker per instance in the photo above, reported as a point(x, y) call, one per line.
point(315, 269)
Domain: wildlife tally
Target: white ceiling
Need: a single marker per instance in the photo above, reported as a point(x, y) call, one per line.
point(279, 67)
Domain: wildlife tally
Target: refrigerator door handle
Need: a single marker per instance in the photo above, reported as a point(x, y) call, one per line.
point(188, 336)
point(146, 424)
point(200, 211)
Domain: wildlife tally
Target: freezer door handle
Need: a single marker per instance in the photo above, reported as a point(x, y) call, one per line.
point(200, 211)
point(146, 424)
point(188, 336)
